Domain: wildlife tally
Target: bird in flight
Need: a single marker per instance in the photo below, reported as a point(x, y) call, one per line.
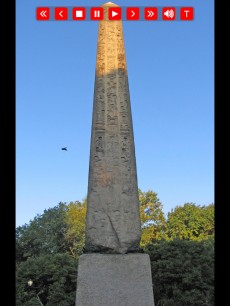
point(64, 149)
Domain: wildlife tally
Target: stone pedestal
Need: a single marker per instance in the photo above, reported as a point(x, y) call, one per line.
point(114, 280)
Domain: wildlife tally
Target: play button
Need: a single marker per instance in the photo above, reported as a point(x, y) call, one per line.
point(114, 13)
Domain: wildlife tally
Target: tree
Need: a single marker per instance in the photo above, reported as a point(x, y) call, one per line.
point(42, 255)
point(75, 220)
point(192, 222)
point(45, 234)
point(182, 272)
point(53, 280)
point(153, 223)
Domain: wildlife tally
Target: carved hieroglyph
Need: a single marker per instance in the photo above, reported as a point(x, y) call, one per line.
point(113, 218)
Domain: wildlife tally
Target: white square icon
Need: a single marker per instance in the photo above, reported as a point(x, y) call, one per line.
point(79, 14)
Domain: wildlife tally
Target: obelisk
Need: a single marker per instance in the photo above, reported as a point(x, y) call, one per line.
point(113, 272)
point(113, 214)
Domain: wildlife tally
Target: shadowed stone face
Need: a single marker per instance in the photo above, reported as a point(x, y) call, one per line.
point(113, 218)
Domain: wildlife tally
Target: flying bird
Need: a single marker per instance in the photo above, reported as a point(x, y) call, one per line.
point(64, 149)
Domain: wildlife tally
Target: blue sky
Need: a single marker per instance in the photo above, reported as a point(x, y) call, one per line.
point(171, 81)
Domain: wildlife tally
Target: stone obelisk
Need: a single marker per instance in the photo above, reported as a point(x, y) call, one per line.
point(112, 273)
point(113, 217)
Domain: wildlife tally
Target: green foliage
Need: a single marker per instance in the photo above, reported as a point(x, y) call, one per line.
point(44, 235)
point(182, 272)
point(54, 280)
point(41, 255)
point(153, 221)
point(191, 222)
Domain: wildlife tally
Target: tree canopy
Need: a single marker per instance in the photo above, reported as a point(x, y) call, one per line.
point(75, 220)
point(53, 280)
point(153, 223)
point(183, 272)
point(44, 235)
point(191, 221)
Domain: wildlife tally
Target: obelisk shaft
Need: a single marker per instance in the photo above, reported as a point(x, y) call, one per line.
point(113, 218)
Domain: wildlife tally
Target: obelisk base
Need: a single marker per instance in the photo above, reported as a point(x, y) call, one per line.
point(114, 280)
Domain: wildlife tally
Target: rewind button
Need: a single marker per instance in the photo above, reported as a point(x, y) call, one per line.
point(43, 13)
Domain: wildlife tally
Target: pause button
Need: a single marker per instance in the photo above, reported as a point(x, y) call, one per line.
point(96, 13)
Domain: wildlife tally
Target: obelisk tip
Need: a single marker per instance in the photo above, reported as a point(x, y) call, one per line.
point(109, 4)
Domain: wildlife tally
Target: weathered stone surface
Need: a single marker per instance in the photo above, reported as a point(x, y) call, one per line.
point(114, 279)
point(113, 220)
